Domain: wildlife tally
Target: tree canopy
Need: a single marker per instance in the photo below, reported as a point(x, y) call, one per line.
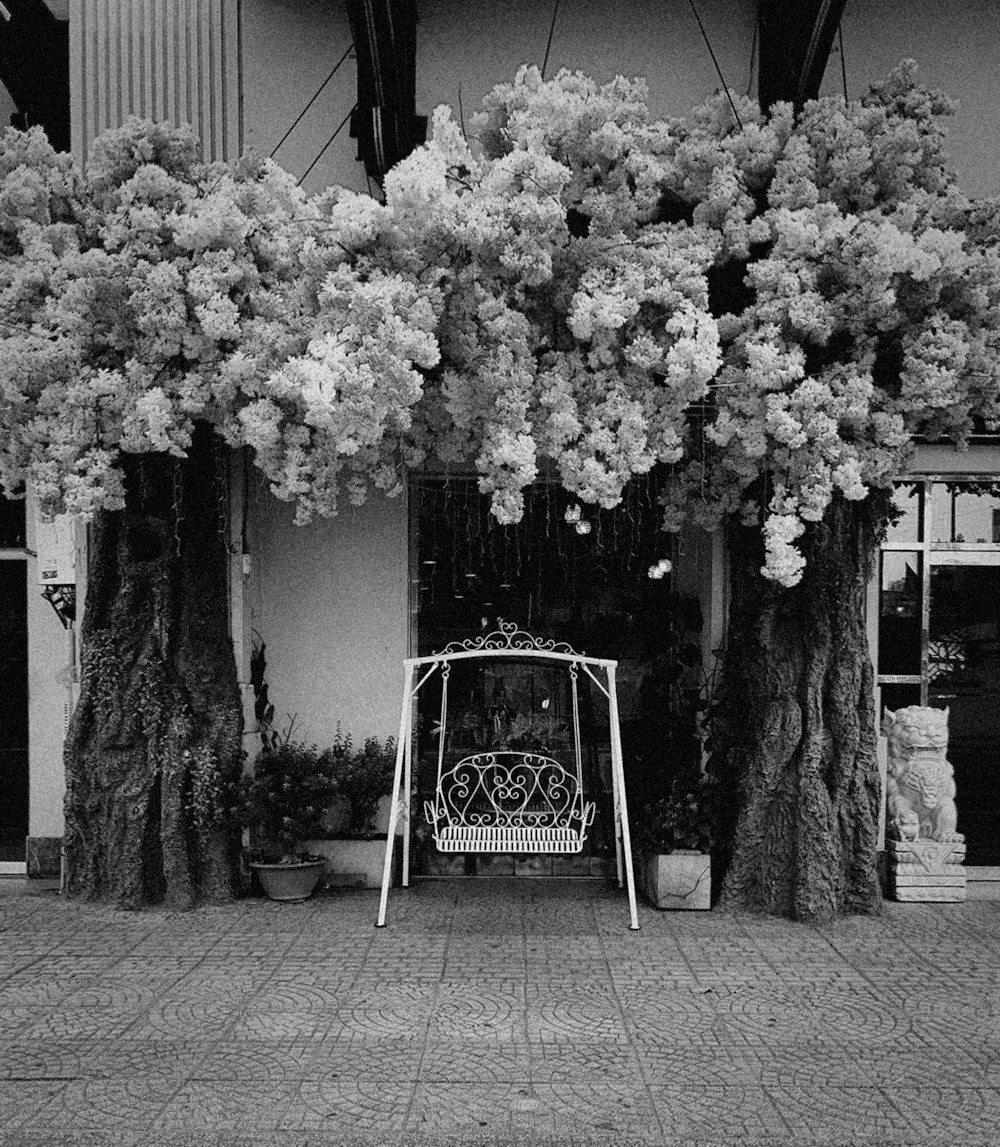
point(769, 306)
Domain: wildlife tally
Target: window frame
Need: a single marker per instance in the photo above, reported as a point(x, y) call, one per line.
point(932, 554)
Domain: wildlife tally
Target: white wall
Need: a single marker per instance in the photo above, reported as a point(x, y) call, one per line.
point(468, 46)
point(288, 48)
point(50, 676)
point(330, 599)
point(957, 46)
point(7, 107)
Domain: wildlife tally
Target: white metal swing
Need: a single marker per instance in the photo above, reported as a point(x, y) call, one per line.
point(506, 800)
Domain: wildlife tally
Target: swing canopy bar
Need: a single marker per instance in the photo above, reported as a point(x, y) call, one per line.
point(508, 639)
point(506, 800)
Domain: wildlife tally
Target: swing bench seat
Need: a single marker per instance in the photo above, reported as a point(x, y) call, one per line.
point(538, 838)
point(509, 802)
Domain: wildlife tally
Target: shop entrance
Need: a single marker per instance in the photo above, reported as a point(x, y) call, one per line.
point(939, 635)
point(565, 573)
point(13, 684)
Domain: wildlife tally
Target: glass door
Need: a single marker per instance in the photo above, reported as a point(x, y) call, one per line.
point(964, 677)
point(566, 573)
point(939, 635)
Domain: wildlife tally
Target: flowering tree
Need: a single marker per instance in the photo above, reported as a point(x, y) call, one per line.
point(138, 304)
point(766, 308)
point(769, 307)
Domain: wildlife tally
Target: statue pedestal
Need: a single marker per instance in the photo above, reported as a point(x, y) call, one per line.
point(926, 870)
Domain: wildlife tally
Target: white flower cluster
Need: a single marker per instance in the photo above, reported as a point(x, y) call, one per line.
point(783, 562)
point(660, 569)
point(770, 307)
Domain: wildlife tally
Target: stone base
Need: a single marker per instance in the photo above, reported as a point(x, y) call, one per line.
point(931, 895)
point(353, 863)
point(43, 856)
point(680, 880)
point(928, 871)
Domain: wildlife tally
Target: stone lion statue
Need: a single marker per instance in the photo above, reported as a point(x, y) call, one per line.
point(920, 782)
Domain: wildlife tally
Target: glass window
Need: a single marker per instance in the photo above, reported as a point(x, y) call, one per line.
point(908, 501)
point(898, 697)
point(966, 512)
point(900, 613)
point(964, 676)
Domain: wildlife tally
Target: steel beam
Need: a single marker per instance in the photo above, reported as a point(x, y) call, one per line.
point(795, 38)
point(385, 122)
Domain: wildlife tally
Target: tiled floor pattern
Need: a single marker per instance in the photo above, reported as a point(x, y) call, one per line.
point(491, 1013)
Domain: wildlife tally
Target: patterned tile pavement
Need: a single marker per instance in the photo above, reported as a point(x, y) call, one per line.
point(494, 1013)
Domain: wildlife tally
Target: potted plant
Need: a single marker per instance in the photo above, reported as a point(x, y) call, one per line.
point(351, 838)
point(283, 804)
point(674, 838)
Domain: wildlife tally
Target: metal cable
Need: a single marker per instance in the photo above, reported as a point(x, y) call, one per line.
point(552, 28)
point(708, 44)
point(340, 128)
point(843, 64)
point(313, 100)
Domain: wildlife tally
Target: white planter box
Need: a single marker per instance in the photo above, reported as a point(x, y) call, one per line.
point(355, 863)
point(680, 880)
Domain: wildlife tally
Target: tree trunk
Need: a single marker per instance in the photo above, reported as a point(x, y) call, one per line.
point(794, 724)
point(155, 741)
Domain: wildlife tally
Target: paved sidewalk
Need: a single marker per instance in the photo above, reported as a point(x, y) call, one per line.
point(494, 1013)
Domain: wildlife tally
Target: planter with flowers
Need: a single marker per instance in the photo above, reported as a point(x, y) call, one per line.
point(283, 804)
point(674, 837)
point(351, 838)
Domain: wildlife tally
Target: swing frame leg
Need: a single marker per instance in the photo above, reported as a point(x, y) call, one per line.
point(403, 755)
point(618, 775)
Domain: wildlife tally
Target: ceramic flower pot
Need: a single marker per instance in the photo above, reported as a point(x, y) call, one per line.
point(290, 883)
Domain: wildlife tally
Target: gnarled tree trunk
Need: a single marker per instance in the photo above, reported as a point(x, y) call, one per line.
point(794, 724)
point(156, 737)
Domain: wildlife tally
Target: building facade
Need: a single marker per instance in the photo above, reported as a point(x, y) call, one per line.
point(339, 603)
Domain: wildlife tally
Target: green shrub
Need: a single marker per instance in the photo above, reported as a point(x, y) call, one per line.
point(362, 776)
point(287, 798)
point(684, 818)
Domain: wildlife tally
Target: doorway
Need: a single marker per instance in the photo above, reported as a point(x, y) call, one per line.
point(565, 573)
point(939, 635)
point(13, 684)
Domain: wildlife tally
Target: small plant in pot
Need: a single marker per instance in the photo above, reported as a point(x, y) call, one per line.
point(350, 841)
point(674, 835)
point(362, 776)
point(284, 803)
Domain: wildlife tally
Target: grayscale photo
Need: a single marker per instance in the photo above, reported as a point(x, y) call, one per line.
point(499, 573)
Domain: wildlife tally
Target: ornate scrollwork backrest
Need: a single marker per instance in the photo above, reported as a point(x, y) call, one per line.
point(508, 635)
point(509, 790)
